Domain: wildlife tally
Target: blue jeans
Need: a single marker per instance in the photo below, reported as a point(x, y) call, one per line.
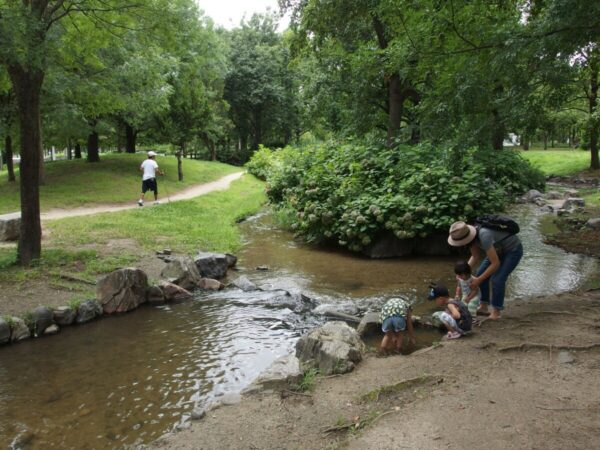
point(508, 262)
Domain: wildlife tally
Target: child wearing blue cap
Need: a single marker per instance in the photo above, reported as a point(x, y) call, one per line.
point(456, 317)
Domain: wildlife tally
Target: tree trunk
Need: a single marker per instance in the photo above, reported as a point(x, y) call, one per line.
point(498, 131)
point(593, 97)
point(210, 145)
point(28, 85)
point(78, 151)
point(395, 102)
point(130, 138)
point(545, 141)
point(8, 153)
point(92, 147)
point(525, 141)
point(69, 150)
point(179, 164)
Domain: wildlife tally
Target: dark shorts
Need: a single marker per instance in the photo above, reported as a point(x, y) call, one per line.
point(149, 185)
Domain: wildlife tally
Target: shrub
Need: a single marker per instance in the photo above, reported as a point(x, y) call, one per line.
point(261, 163)
point(355, 191)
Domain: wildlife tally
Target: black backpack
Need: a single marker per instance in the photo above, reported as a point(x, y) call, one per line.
point(497, 222)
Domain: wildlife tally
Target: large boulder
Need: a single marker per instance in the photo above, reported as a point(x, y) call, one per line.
point(369, 325)
point(64, 315)
point(4, 331)
point(231, 260)
point(593, 223)
point(155, 295)
point(283, 372)
point(172, 292)
point(212, 265)
point(573, 202)
point(531, 195)
point(333, 348)
point(42, 318)
point(19, 330)
point(122, 290)
point(88, 311)
point(554, 195)
point(183, 272)
point(10, 225)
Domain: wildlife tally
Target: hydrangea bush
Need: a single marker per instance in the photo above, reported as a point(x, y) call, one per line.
point(353, 192)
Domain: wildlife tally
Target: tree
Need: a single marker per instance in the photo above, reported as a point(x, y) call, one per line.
point(8, 113)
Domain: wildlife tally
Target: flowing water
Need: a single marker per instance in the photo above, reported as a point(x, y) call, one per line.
point(129, 379)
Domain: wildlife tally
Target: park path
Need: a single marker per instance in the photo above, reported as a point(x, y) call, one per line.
point(194, 191)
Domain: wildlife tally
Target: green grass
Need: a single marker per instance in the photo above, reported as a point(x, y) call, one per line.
point(207, 222)
point(115, 179)
point(559, 162)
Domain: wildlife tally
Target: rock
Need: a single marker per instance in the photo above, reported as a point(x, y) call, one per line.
point(172, 292)
point(122, 290)
point(333, 348)
point(208, 284)
point(330, 311)
point(18, 330)
point(212, 265)
point(10, 225)
point(167, 251)
point(539, 201)
point(155, 295)
point(283, 372)
point(231, 260)
point(530, 196)
point(369, 325)
point(571, 193)
point(198, 413)
point(64, 315)
point(52, 329)
point(244, 284)
point(88, 311)
point(565, 357)
point(594, 223)
point(553, 195)
point(42, 318)
point(230, 399)
point(561, 212)
point(433, 245)
point(183, 272)
point(548, 208)
point(573, 202)
point(263, 268)
point(4, 331)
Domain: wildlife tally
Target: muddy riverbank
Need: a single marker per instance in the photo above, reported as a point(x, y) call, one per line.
point(527, 381)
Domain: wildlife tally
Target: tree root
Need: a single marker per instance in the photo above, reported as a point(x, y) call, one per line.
point(562, 313)
point(566, 409)
point(531, 345)
point(356, 425)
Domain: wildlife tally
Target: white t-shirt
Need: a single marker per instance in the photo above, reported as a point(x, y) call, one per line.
point(149, 167)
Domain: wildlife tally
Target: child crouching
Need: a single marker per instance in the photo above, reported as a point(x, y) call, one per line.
point(456, 317)
point(396, 316)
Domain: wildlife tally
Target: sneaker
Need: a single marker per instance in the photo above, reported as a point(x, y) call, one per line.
point(141, 202)
point(453, 335)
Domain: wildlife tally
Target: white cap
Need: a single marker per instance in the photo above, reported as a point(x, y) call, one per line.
point(151, 153)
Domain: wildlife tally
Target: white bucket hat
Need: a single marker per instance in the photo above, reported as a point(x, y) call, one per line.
point(151, 154)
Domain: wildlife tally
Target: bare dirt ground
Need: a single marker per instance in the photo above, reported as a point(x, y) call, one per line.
point(528, 381)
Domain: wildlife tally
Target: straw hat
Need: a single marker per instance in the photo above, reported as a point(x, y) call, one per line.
point(461, 234)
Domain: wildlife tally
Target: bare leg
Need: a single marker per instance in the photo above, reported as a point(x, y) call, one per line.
point(399, 337)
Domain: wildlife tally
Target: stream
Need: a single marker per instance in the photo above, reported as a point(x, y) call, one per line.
point(127, 380)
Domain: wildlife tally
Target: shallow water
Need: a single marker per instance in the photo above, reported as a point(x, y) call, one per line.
point(130, 379)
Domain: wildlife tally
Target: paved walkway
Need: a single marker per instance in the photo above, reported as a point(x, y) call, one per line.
point(194, 191)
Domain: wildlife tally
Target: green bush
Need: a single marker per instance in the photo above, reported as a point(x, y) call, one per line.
point(353, 192)
point(262, 162)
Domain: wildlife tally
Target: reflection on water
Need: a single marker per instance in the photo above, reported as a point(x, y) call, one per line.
point(132, 378)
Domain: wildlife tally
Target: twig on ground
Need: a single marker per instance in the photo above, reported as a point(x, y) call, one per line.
point(425, 350)
point(531, 345)
point(331, 376)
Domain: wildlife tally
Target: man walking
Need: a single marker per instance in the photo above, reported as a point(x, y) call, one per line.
point(150, 168)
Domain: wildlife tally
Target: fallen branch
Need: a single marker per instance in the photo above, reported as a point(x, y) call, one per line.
point(531, 345)
point(75, 279)
point(356, 425)
point(425, 350)
point(566, 409)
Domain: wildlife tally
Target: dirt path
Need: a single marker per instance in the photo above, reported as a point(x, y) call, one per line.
point(482, 391)
point(189, 193)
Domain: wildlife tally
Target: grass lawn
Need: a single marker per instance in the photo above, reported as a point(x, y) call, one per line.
point(558, 162)
point(207, 222)
point(115, 179)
